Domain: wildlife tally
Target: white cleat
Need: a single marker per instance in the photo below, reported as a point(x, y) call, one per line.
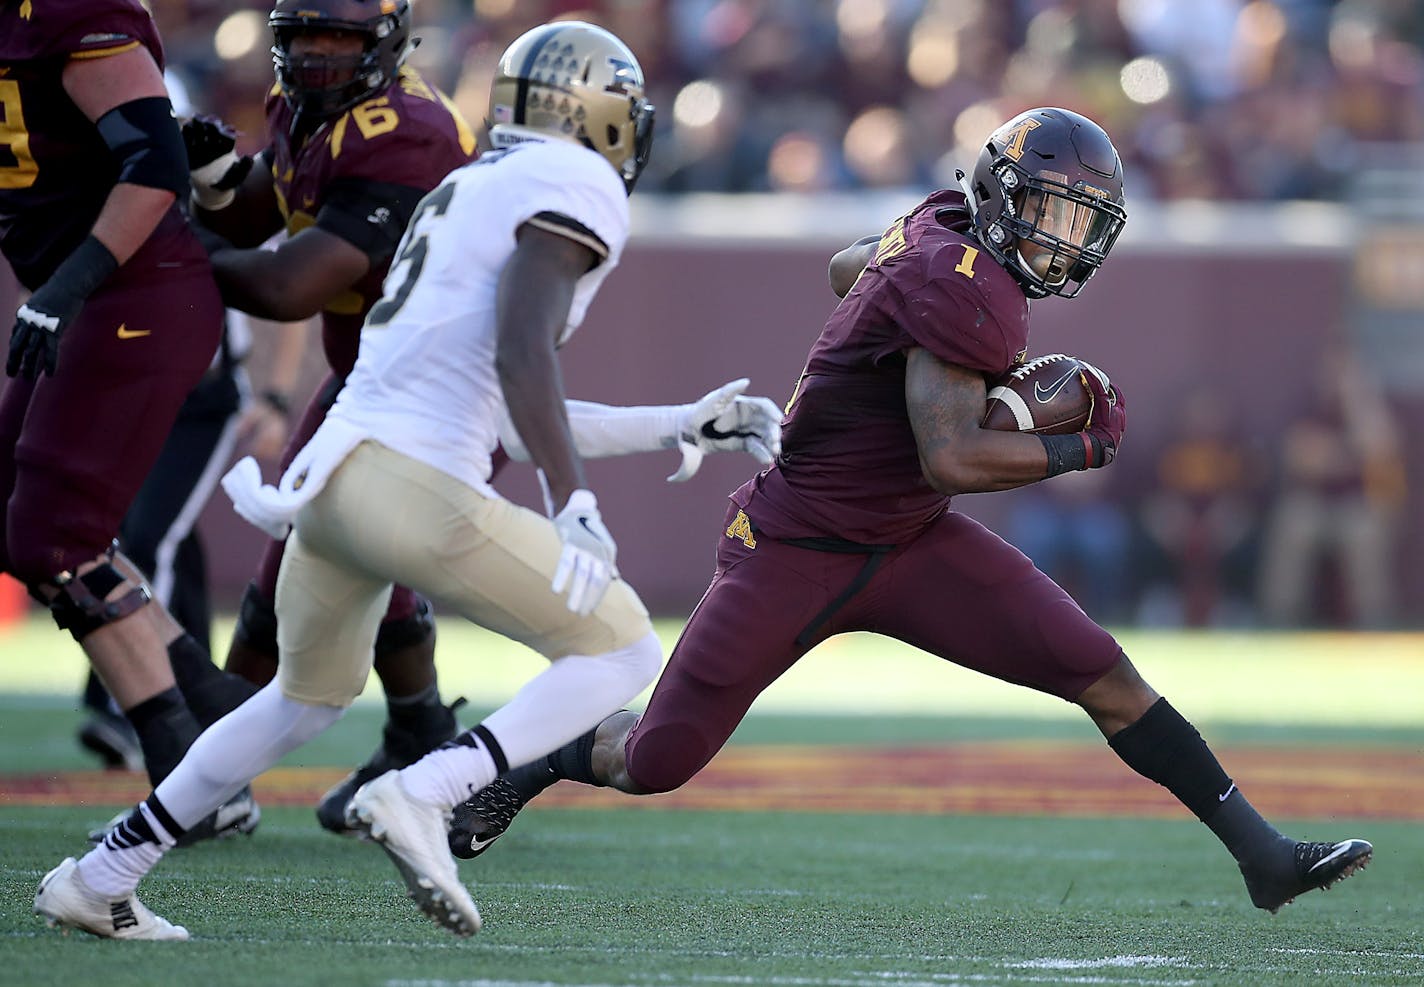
point(413, 834)
point(67, 902)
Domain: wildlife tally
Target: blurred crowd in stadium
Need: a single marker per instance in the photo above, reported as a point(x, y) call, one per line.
point(1266, 99)
point(1210, 99)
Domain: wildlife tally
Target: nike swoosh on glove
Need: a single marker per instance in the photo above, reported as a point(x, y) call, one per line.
point(727, 421)
point(587, 564)
point(1108, 420)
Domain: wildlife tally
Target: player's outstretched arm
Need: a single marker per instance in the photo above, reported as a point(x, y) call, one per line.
point(946, 406)
point(723, 420)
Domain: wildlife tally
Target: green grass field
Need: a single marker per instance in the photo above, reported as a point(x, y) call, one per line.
point(646, 895)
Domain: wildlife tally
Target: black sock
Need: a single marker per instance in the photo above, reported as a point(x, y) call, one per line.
point(572, 762)
point(166, 729)
point(416, 725)
point(211, 693)
point(1165, 748)
point(135, 828)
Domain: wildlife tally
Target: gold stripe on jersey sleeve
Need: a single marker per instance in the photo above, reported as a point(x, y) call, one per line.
point(106, 52)
point(462, 128)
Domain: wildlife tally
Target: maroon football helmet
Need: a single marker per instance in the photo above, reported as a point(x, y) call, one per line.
point(327, 85)
point(1047, 198)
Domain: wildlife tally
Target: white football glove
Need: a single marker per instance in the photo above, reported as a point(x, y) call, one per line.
point(586, 566)
point(726, 421)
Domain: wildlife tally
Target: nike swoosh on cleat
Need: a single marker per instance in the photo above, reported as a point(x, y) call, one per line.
point(1043, 395)
point(1340, 848)
point(478, 845)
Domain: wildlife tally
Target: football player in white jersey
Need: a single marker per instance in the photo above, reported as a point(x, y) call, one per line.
point(496, 270)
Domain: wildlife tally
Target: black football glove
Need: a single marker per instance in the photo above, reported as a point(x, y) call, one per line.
point(34, 342)
point(213, 163)
point(41, 321)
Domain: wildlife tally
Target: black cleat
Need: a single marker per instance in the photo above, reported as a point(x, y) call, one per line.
point(238, 816)
point(398, 749)
point(1314, 865)
point(484, 818)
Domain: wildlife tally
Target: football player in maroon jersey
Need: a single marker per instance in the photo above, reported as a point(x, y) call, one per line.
point(851, 530)
point(122, 321)
point(354, 139)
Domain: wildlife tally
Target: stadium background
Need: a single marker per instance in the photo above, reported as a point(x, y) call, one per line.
point(1273, 192)
point(1271, 152)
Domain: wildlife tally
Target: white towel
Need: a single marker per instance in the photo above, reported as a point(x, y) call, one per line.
point(273, 508)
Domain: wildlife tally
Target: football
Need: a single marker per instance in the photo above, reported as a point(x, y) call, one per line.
point(1045, 395)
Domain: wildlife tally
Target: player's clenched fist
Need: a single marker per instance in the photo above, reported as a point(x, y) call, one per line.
point(1108, 420)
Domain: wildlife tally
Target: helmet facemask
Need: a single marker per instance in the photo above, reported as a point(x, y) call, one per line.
point(1047, 200)
point(324, 86)
point(1063, 234)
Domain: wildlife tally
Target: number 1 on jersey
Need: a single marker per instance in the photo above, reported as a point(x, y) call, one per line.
point(966, 266)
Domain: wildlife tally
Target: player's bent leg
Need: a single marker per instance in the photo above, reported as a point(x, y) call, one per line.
point(252, 653)
point(596, 758)
point(714, 674)
point(104, 611)
point(227, 756)
point(417, 721)
point(1161, 745)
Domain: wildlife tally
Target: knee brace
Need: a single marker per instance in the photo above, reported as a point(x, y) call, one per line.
point(78, 604)
point(257, 621)
point(408, 631)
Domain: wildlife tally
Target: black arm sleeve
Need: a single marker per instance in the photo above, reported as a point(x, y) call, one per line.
point(371, 216)
point(143, 136)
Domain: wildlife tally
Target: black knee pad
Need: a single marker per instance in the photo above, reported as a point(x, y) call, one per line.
point(257, 621)
point(418, 628)
point(78, 605)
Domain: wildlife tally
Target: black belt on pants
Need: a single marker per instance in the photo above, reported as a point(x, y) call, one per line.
point(875, 554)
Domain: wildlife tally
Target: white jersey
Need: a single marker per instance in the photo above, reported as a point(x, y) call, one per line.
point(425, 383)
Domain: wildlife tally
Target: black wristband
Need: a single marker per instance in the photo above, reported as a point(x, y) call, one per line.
point(277, 401)
point(1065, 453)
point(83, 270)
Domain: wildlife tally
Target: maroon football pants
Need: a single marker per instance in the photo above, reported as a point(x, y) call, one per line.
point(957, 591)
point(76, 447)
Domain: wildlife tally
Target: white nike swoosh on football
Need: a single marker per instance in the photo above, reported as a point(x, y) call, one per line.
point(1043, 395)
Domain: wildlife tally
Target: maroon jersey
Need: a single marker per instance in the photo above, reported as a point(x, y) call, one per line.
point(55, 169)
point(360, 176)
point(849, 467)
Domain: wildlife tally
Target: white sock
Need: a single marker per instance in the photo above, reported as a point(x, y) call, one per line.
point(566, 700)
point(225, 757)
point(116, 865)
point(571, 697)
point(448, 776)
point(237, 748)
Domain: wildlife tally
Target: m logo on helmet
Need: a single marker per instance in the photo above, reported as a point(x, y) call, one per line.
point(1014, 140)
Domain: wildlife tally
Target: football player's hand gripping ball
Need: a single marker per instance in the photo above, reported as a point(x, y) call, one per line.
point(587, 564)
point(725, 420)
point(1108, 421)
point(214, 166)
